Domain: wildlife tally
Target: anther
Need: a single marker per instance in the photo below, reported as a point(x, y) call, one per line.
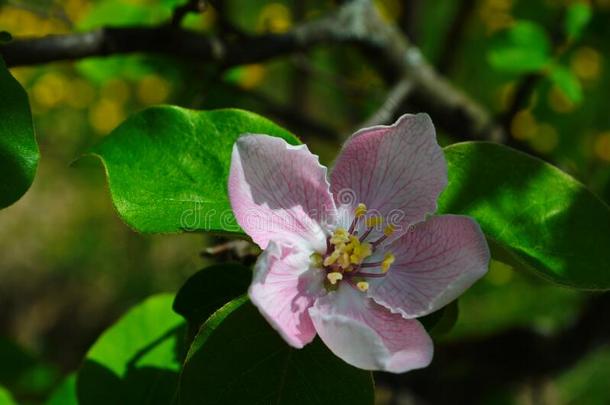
point(316, 260)
point(388, 260)
point(334, 277)
point(362, 286)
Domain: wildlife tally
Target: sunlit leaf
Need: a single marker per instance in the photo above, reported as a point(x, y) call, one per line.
point(18, 149)
point(237, 358)
point(578, 16)
point(531, 212)
point(168, 167)
point(137, 360)
point(567, 82)
point(65, 393)
point(525, 47)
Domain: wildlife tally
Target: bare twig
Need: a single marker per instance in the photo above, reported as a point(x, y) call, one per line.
point(356, 22)
point(393, 101)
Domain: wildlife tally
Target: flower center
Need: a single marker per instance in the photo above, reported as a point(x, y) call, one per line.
point(347, 253)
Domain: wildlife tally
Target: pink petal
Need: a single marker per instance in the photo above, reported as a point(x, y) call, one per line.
point(366, 335)
point(279, 192)
point(398, 170)
point(435, 263)
point(283, 289)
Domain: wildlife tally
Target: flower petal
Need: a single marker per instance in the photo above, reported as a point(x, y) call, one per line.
point(397, 170)
point(367, 335)
point(435, 263)
point(279, 192)
point(283, 289)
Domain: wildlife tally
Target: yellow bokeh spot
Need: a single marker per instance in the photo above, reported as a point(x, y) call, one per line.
point(105, 115)
point(153, 89)
point(505, 95)
point(22, 74)
point(546, 139)
point(602, 146)
point(586, 63)
point(275, 17)
point(390, 10)
point(559, 102)
point(49, 90)
point(82, 94)
point(251, 76)
point(117, 90)
point(495, 15)
point(523, 125)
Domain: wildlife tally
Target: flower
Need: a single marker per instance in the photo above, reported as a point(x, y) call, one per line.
point(355, 260)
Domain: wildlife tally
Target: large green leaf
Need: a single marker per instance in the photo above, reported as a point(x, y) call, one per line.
point(237, 358)
point(524, 47)
point(208, 290)
point(137, 360)
point(18, 149)
point(167, 166)
point(531, 212)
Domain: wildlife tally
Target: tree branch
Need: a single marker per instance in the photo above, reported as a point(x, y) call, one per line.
point(356, 22)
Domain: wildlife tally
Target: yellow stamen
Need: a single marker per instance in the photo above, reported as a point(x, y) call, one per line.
point(361, 252)
point(389, 230)
point(340, 235)
point(362, 286)
point(344, 260)
point(334, 277)
point(388, 260)
point(332, 258)
point(372, 222)
point(360, 210)
point(316, 260)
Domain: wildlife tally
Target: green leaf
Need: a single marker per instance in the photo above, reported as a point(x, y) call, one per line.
point(578, 16)
point(18, 149)
point(65, 393)
point(567, 83)
point(5, 397)
point(208, 290)
point(525, 47)
point(531, 212)
point(137, 360)
point(168, 167)
point(237, 358)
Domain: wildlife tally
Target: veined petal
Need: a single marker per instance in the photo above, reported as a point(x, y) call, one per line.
point(284, 288)
point(279, 192)
point(435, 263)
point(367, 335)
point(397, 171)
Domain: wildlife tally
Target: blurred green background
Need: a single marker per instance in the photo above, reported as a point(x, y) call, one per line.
point(69, 266)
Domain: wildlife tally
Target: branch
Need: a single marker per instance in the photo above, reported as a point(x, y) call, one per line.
point(389, 108)
point(356, 22)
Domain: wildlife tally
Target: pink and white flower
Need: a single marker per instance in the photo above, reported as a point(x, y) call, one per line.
point(355, 260)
